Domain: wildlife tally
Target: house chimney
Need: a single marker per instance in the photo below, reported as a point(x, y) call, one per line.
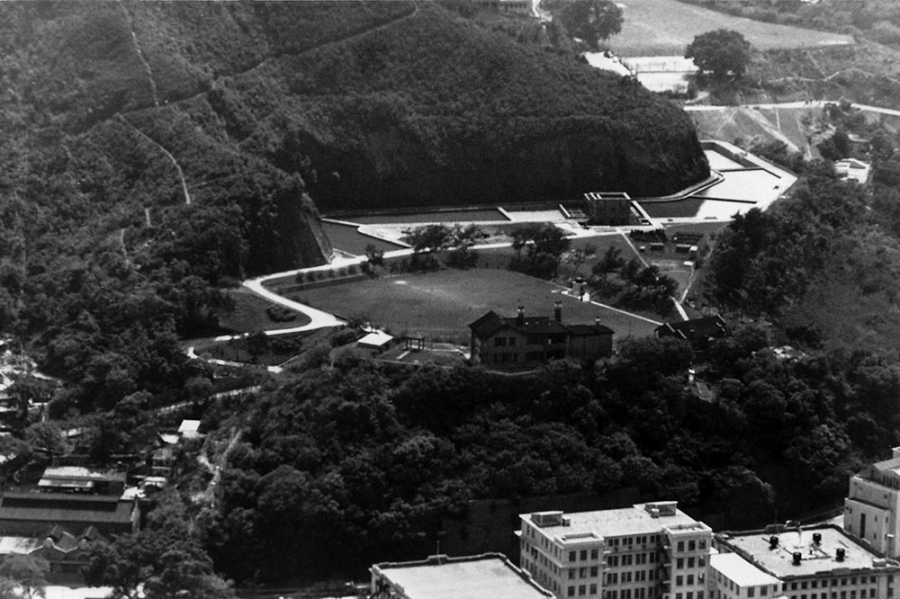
point(520, 316)
point(557, 311)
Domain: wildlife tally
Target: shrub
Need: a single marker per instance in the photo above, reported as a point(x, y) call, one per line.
point(280, 314)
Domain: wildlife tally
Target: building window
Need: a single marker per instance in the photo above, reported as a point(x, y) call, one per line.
point(570, 592)
point(500, 342)
point(692, 545)
point(582, 590)
point(512, 341)
point(679, 563)
point(595, 554)
point(572, 574)
point(690, 562)
point(593, 571)
point(679, 581)
point(751, 591)
point(680, 546)
point(583, 555)
point(690, 579)
point(572, 555)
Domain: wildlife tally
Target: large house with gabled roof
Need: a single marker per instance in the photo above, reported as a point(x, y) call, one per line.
point(524, 341)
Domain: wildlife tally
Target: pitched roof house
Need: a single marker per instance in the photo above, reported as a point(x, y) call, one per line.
point(527, 341)
point(698, 331)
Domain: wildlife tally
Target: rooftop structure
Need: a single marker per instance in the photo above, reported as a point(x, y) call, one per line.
point(696, 330)
point(76, 479)
point(189, 429)
point(31, 513)
point(636, 520)
point(487, 576)
point(820, 557)
point(741, 572)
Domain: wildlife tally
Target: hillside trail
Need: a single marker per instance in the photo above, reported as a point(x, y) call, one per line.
point(208, 495)
point(184, 187)
point(261, 63)
point(140, 53)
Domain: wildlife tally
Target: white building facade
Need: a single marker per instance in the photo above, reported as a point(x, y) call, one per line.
point(872, 506)
point(648, 551)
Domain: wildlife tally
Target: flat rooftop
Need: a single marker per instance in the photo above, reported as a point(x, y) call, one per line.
point(629, 521)
point(488, 576)
point(815, 558)
point(739, 570)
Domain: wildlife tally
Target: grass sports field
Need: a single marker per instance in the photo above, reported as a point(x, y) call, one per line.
point(666, 27)
point(442, 303)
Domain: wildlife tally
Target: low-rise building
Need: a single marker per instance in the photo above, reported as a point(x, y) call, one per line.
point(853, 169)
point(819, 562)
point(29, 514)
point(487, 576)
point(647, 551)
point(733, 577)
point(525, 341)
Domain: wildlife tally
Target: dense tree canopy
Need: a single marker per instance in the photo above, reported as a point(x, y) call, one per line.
point(721, 52)
point(592, 21)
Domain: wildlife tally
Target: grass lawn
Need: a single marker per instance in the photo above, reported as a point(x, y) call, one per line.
point(666, 27)
point(249, 314)
point(442, 303)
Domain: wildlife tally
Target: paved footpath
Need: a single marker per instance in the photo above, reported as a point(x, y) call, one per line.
point(813, 104)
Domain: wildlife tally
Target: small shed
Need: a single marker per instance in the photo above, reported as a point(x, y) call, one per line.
point(375, 340)
point(189, 429)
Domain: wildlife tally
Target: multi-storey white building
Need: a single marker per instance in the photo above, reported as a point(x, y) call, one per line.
point(872, 508)
point(486, 576)
point(648, 551)
point(820, 562)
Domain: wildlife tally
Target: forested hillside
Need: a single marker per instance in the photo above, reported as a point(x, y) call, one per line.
point(156, 152)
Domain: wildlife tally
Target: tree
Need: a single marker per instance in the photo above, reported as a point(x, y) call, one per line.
point(429, 238)
point(462, 240)
point(578, 257)
point(545, 242)
point(28, 572)
point(592, 20)
point(47, 438)
point(720, 52)
point(374, 257)
point(164, 560)
point(611, 260)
